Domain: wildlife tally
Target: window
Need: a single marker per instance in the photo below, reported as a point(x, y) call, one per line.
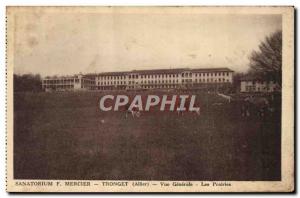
point(249, 88)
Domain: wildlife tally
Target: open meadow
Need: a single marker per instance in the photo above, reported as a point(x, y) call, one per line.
point(64, 135)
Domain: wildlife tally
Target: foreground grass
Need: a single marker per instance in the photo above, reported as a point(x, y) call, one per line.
point(66, 136)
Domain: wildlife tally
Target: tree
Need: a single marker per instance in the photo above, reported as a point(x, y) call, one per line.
point(266, 63)
point(27, 82)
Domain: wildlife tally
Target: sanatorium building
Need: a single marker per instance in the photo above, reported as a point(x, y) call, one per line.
point(183, 78)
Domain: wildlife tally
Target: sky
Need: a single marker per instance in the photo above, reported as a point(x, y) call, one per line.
point(49, 43)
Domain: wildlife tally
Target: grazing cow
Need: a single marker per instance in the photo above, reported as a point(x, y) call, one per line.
point(134, 111)
point(260, 104)
point(228, 98)
point(246, 109)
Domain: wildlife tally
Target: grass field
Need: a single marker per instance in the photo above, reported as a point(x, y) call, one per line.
point(61, 136)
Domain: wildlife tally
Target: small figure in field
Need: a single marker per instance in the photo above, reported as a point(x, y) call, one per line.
point(246, 107)
point(134, 111)
point(263, 107)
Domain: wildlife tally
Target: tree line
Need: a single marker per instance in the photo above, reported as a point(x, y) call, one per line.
point(266, 62)
point(27, 83)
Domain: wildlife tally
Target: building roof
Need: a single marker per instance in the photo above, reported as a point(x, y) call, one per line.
point(221, 69)
point(165, 71)
point(67, 77)
point(149, 71)
point(251, 78)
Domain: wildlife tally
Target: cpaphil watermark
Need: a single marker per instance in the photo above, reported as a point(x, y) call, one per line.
point(140, 103)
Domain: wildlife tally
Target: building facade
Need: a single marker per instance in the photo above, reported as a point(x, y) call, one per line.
point(68, 83)
point(249, 84)
point(163, 79)
point(184, 78)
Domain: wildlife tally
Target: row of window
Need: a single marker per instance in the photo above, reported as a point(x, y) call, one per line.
point(139, 87)
point(253, 88)
point(88, 82)
point(163, 81)
point(116, 80)
point(61, 81)
point(69, 81)
point(136, 76)
point(111, 88)
point(59, 86)
point(64, 81)
point(154, 86)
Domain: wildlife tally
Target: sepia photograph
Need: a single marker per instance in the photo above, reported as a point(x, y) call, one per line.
point(150, 99)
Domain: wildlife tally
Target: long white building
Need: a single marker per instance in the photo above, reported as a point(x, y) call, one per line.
point(68, 83)
point(183, 78)
point(163, 78)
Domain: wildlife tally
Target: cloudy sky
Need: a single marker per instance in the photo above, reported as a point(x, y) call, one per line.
point(68, 43)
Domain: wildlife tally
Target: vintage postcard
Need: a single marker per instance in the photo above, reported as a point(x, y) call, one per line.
point(150, 99)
